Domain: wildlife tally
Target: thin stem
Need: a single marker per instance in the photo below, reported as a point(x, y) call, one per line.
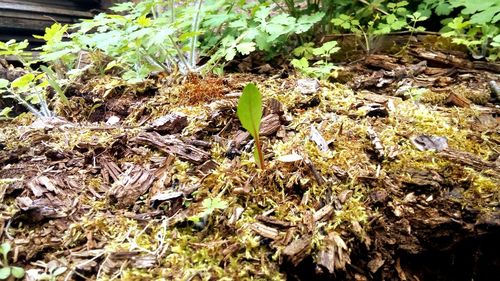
point(259, 152)
point(196, 22)
point(180, 53)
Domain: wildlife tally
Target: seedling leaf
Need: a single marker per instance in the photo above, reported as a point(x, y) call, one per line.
point(250, 109)
point(17, 272)
point(4, 273)
point(250, 114)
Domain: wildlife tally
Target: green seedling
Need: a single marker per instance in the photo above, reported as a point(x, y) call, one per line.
point(6, 271)
point(250, 114)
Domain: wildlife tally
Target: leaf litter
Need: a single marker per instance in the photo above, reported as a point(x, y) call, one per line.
point(360, 180)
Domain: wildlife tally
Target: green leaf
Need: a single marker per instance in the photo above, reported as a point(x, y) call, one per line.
point(250, 114)
point(245, 48)
point(4, 273)
point(5, 248)
point(23, 81)
point(230, 54)
point(4, 83)
point(214, 203)
point(17, 272)
point(5, 111)
point(249, 109)
point(443, 9)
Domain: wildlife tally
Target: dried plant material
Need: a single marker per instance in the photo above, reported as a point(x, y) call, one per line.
point(296, 251)
point(171, 123)
point(317, 138)
point(425, 142)
point(335, 255)
point(290, 158)
point(134, 182)
point(377, 143)
point(265, 231)
point(172, 145)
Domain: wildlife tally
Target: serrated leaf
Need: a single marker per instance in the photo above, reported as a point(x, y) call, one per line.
point(230, 54)
point(245, 48)
point(17, 272)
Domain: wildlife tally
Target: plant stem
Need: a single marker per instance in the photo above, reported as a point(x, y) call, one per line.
point(258, 145)
point(194, 39)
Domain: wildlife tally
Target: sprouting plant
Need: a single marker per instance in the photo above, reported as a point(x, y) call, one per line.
point(249, 112)
point(322, 68)
point(209, 206)
point(8, 270)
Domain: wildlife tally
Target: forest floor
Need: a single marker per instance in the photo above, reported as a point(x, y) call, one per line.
point(391, 171)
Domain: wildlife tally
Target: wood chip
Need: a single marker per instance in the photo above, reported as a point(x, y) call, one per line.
point(172, 145)
point(297, 250)
point(265, 231)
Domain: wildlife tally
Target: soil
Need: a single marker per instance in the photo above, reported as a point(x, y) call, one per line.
point(389, 171)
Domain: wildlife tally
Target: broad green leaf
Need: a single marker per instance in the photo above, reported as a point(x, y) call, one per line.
point(443, 9)
point(245, 48)
point(5, 248)
point(17, 272)
point(249, 109)
point(23, 81)
point(4, 273)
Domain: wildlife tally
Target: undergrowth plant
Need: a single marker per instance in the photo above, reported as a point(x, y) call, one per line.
point(476, 26)
point(322, 68)
point(6, 270)
point(249, 112)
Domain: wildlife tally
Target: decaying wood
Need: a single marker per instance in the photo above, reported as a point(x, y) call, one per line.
point(323, 213)
point(274, 222)
point(171, 123)
point(131, 184)
point(335, 255)
point(393, 68)
point(442, 58)
point(265, 231)
point(172, 145)
point(109, 169)
point(296, 251)
point(120, 260)
point(269, 124)
point(471, 160)
point(458, 100)
point(317, 176)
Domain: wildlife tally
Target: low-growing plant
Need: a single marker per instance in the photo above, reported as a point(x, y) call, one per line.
point(209, 206)
point(476, 25)
point(322, 68)
point(27, 91)
point(381, 22)
point(249, 112)
point(7, 270)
